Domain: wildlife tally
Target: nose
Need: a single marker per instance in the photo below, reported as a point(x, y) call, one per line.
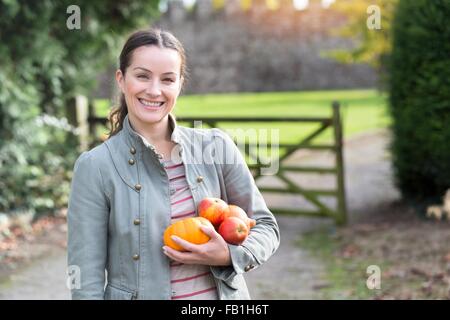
point(153, 89)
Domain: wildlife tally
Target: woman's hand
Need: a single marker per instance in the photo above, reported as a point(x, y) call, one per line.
point(213, 253)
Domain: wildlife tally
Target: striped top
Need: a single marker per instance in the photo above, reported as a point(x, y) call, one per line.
point(189, 282)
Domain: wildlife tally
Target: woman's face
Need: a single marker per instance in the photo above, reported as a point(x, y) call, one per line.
point(151, 84)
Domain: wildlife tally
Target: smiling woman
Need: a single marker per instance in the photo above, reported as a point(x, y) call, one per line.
point(151, 85)
point(151, 75)
point(126, 192)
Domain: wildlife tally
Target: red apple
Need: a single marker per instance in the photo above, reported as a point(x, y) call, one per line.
point(213, 209)
point(233, 230)
point(238, 212)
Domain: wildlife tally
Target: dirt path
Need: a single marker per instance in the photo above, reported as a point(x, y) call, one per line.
point(43, 279)
point(291, 273)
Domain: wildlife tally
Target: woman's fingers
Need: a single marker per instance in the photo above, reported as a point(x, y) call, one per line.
point(209, 231)
point(214, 252)
point(170, 253)
point(179, 256)
point(185, 244)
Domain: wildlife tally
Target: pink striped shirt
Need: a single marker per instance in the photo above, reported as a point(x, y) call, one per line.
point(189, 282)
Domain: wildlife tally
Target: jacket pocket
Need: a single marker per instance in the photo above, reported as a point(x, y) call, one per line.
point(235, 288)
point(114, 293)
point(233, 283)
point(229, 290)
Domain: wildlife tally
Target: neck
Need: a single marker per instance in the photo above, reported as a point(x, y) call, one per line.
point(154, 133)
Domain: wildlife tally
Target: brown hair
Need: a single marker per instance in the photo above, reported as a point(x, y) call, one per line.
point(151, 37)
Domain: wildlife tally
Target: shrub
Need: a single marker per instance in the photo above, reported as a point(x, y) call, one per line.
point(43, 66)
point(419, 87)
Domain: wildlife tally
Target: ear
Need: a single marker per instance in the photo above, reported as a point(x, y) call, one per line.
point(120, 79)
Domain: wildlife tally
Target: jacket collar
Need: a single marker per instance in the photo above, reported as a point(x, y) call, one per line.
point(135, 138)
point(136, 144)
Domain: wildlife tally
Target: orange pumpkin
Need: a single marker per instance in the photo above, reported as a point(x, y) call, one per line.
point(187, 229)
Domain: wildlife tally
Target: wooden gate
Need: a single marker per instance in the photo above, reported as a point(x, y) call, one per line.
point(339, 213)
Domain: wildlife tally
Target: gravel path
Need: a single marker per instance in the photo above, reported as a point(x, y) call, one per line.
point(44, 279)
point(291, 273)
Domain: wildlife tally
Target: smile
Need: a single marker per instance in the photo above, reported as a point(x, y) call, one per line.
point(152, 104)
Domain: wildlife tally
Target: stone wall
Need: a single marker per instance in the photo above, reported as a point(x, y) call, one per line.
point(232, 50)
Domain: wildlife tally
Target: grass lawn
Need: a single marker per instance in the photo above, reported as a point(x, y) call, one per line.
point(362, 110)
point(345, 276)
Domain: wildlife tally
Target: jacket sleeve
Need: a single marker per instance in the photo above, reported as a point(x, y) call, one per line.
point(241, 190)
point(87, 221)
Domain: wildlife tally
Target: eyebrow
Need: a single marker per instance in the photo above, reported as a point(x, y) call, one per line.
point(151, 72)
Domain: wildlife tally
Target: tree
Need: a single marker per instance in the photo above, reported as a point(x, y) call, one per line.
point(372, 45)
point(419, 87)
point(44, 64)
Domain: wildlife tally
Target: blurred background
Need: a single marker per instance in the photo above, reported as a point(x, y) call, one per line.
point(364, 213)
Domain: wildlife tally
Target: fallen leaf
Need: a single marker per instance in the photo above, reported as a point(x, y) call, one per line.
point(319, 286)
point(350, 250)
point(419, 272)
point(427, 287)
point(447, 257)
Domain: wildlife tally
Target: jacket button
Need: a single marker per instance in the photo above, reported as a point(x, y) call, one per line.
point(137, 222)
point(131, 161)
point(199, 179)
point(132, 150)
point(136, 257)
point(248, 268)
point(138, 187)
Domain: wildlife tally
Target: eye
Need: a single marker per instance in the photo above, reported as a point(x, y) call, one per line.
point(142, 76)
point(168, 80)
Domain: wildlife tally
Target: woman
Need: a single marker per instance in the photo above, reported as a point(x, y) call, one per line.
point(149, 173)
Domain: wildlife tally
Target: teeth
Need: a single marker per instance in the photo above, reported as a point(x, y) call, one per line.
point(151, 103)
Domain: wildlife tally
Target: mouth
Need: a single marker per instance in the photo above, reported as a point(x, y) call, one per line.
point(151, 104)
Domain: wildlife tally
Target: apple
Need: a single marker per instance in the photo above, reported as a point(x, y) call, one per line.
point(238, 212)
point(233, 230)
point(213, 209)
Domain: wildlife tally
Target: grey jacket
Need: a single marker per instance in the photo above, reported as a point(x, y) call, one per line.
point(119, 207)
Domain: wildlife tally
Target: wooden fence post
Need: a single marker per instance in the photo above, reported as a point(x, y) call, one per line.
point(82, 112)
point(341, 219)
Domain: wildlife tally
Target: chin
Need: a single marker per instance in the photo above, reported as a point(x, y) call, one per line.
point(149, 115)
point(151, 118)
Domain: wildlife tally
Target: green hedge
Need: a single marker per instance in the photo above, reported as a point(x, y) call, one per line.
point(43, 65)
point(420, 98)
